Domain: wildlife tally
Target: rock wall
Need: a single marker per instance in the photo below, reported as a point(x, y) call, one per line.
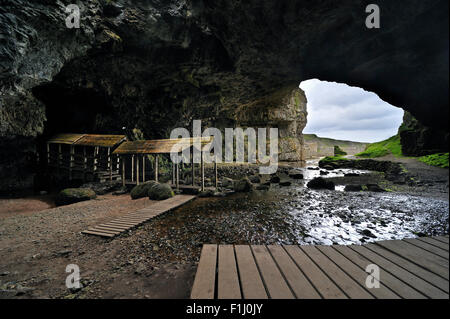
point(154, 65)
point(316, 147)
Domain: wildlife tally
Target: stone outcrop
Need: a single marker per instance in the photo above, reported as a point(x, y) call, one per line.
point(155, 65)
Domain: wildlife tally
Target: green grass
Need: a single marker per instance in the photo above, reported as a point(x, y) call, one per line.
point(439, 160)
point(330, 159)
point(379, 149)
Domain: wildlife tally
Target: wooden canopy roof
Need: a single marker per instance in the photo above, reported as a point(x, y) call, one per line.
point(88, 139)
point(161, 146)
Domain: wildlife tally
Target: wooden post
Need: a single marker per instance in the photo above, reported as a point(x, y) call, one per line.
point(203, 171)
point(173, 174)
point(137, 170)
point(84, 163)
point(132, 168)
point(59, 157)
point(48, 153)
point(192, 167)
point(123, 170)
point(177, 169)
point(143, 168)
point(110, 164)
point(216, 180)
point(156, 167)
point(71, 161)
point(95, 161)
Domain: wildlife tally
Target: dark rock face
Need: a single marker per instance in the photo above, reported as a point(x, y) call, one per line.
point(155, 65)
point(420, 140)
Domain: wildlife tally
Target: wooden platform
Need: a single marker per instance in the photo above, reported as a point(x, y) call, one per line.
point(409, 269)
point(119, 225)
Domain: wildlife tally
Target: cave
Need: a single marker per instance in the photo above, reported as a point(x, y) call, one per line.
point(150, 67)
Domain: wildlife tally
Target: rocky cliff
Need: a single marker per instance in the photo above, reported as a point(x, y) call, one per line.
point(154, 65)
point(316, 146)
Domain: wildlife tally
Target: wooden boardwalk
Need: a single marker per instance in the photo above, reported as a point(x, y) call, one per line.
point(409, 269)
point(119, 225)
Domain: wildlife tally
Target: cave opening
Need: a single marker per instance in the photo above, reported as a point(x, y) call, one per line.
point(347, 117)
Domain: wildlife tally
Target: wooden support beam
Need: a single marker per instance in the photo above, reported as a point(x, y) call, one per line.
point(177, 169)
point(173, 174)
point(143, 168)
point(132, 168)
point(71, 159)
point(156, 167)
point(192, 167)
point(110, 164)
point(203, 171)
point(216, 180)
point(123, 170)
point(48, 153)
point(84, 163)
point(137, 170)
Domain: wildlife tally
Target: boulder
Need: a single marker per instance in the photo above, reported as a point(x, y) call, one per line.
point(320, 183)
point(255, 179)
point(227, 183)
point(323, 173)
point(263, 187)
point(141, 190)
point(74, 195)
point(160, 192)
point(353, 188)
point(285, 182)
point(295, 174)
point(243, 186)
point(374, 188)
point(275, 179)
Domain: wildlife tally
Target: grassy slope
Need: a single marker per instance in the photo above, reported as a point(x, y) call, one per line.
point(379, 149)
point(439, 160)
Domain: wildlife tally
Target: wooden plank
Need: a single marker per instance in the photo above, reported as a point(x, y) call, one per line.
point(227, 276)
point(251, 282)
point(106, 231)
point(89, 232)
point(349, 286)
point(443, 239)
point(419, 256)
point(205, 278)
point(301, 287)
point(110, 228)
point(356, 273)
point(417, 283)
point(435, 242)
point(275, 284)
point(428, 247)
point(393, 283)
point(326, 288)
point(413, 268)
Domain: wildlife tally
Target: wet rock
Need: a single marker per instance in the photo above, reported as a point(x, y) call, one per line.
point(313, 168)
point(368, 233)
point(353, 188)
point(242, 186)
point(74, 195)
point(255, 179)
point(374, 188)
point(328, 167)
point(263, 187)
point(206, 193)
point(285, 182)
point(141, 191)
point(351, 174)
point(227, 182)
point(275, 179)
point(321, 183)
point(323, 173)
point(160, 192)
point(295, 174)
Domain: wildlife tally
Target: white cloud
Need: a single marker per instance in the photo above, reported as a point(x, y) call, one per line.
point(339, 111)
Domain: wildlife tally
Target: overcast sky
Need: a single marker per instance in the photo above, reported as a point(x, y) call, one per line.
point(343, 112)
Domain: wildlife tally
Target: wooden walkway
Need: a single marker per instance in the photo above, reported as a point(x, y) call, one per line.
point(409, 269)
point(119, 225)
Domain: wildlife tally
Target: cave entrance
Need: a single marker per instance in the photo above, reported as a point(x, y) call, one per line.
point(345, 118)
